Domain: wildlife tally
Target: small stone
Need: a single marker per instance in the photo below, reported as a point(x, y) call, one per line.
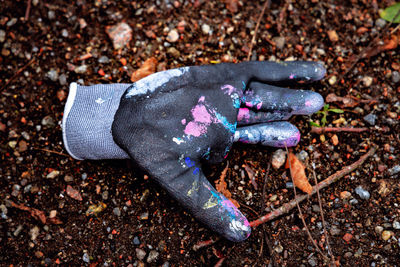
point(18, 230)
point(12, 22)
point(48, 121)
point(35, 2)
point(273, 198)
point(136, 241)
point(85, 257)
point(51, 15)
point(153, 255)
point(144, 216)
point(73, 193)
point(64, 33)
point(68, 178)
point(165, 264)
point(394, 170)
point(333, 36)
point(347, 237)
point(22, 146)
point(104, 195)
point(34, 233)
point(117, 212)
point(2, 36)
point(205, 28)
point(396, 225)
point(173, 36)
point(380, 23)
point(302, 156)
point(395, 76)
point(140, 253)
point(278, 249)
point(378, 229)
point(39, 254)
point(173, 52)
point(279, 42)
point(103, 60)
point(362, 193)
point(312, 262)
point(332, 80)
point(52, 174)
point(278, 158)
point(12, 144)
point(62, 79)
point(84, 176)
point(5, 52)
point(316, 208)
point(386, 235)
point(348, 254)
point(81, 69)
point(335, 231)
point(345, 195)
point(367, 81)
point(370, 118)
point(53, 214)
point(120, 34)
point(335, 140)
point(25, 135)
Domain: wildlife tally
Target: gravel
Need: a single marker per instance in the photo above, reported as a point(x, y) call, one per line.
point(362, 193)
point(370, 118)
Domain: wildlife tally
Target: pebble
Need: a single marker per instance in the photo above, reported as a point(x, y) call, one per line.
point(64, 33)
point(302, 155)
point(140, 253)
point(394, 170)
point(85, 257)
point(289, 185)
point(278, 249)
point(165, 264)
point(2, 36)
point(52, 174)
point(378, 229)
point(335, 231)
point(12, 22)
point(173, 36)
point(367, 81)
point(396, 225)
point(395, 76)
point(380, 23)
point(34, 233)
point(84, 176)
point(25, 135)
point(136, 241)
point(386, 235)
point(173, 52)
point(144, 216)
point(279, 42)
point(332, 80)
point(153, 255)
point(362, 193)
point(53, 214)
point(370, 118)
point(312, 262)
point(333, 36)
point(48, 121)
point(81, 69)
point(348, 254)
point(104, 195)
point(273, 198)
point(117, 211)
point(68, 178)
point(51, 14)
point(62, 79)
point(278, 158)
point(52, 75)
point(18, 230)
point(103, 60)
point(205, 28)
point(345, 195)
point(120, 34)
point(22, 146)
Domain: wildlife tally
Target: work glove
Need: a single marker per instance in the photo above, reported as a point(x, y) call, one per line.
point(170, 122)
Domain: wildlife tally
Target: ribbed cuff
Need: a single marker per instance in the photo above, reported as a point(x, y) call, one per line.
point(88, 116)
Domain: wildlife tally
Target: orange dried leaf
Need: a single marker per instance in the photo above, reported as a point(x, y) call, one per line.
point(298, 174)
point(221, 187)
point(148, 67)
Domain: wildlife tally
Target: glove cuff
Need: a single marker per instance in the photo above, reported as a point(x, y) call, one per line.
point(88, 116)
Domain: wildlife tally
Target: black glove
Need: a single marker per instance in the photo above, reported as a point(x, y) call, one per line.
point(170, 121)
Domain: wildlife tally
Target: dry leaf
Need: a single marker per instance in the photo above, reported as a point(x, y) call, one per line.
point(251, 175)
point(221, 187)
point(148, 67)
point(298, 173)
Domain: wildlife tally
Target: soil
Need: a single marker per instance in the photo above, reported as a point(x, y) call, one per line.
point(141, 225)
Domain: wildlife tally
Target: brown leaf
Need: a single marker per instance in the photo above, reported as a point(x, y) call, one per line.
point(35, 213)
point(347, 102)
point(221, 187)
point(251, 175)
point(148, 67)
point(73, 193)
point(298, 173)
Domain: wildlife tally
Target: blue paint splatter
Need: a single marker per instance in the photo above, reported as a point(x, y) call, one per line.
point(231, 127)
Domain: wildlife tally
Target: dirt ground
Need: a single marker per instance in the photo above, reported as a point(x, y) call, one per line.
point(133, 221)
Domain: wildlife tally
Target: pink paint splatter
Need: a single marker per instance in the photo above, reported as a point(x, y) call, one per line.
point(201, 119)
point(243, 114)
point(308, 103)
point(228, 89)
point(183, 121)
point(195, 128)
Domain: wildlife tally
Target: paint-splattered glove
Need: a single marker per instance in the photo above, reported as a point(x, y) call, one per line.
point(171, 121)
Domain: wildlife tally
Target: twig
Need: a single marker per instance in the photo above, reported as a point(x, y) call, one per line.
point(285, 208)
point(267, 3)
point(52, 151)
point(28, 9)
point(300, 212)
point(206, 243)
point(21, 70)
point(323, 219)
point(321, 130)
point(371, 44)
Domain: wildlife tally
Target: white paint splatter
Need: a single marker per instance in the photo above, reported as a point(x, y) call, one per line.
point(100, 101)
point(153, 81)
point(238, 226)
point(178, 140)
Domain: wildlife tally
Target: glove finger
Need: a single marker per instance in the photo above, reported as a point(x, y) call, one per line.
point(268, 71)
point(275, 134)
point(247, 116)
point(269, 98)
